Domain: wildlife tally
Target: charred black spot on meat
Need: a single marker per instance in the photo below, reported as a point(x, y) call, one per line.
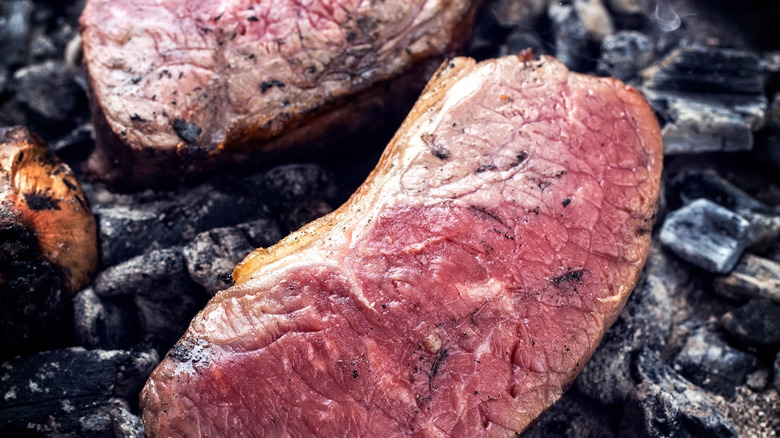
point(41, 201)
point(437, 150)
point(485, 168)
point(266, 85)
point(190, 349)
point(566, 202)
point(486, 214)
point(225, 278)
point(572, 276)
point(180, 353)
point(188, 132)
point(253, 18)
point(137, 118)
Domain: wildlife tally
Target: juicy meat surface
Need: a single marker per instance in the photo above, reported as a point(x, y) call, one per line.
point(178, 87)
point(457, 293)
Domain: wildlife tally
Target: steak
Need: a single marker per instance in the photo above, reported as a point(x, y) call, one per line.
point(179, 88)
point(458, 292)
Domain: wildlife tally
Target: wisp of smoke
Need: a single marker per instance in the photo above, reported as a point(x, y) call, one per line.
point(667, 18)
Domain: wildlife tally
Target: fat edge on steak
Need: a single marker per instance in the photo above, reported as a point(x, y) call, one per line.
point(458, 292)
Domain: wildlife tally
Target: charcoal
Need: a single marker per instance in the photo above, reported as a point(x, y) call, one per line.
point(644, 323)
point(754, 325)
point(261, 233)
point(105, 322)
point(574, 415)
point(666, 267)
point(288, 186)
point(776, 369)
point(753, 277)
point(124, 423)
point(712, 364)
point(3, 79)
point(571, 37)
point(712, 99)
point(513, 13)
point(212, 255)
point(758, 380)
point(69, 391)
point(595, 18)
point(691, 185)
point(77, 418)
point(177, 217)
point(522, 39)
point(763, 231)
point(49, 90)
point(162, 291)
point(706, 235)
point(664, 404)
point(15, 30)
point(76, 143)
point(300, 215)
point(624, 54)
point(43, 48)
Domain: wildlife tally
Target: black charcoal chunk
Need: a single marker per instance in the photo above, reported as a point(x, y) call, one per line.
point(70, 391)
point(187, 131)
point(48, 89)
point(212, 255)
point(124, 423)
point(708, 361)
point(105, 322)
point(706, 235)
point(664, 404)
point(572, 46)
point(776, 369)
point(162, 291)
point(624, 54)
point(15, 30)
point(645, 322)
point(173, 218)
point(711, 99)
point(752, 277)
point(691, 185)
point(522, 39)
point(290, 185)
point(756, 324)
point(300, 215)
point(574, 415)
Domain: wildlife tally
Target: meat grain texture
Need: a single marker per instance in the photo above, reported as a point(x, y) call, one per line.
point(457, 293)
point(180, 87)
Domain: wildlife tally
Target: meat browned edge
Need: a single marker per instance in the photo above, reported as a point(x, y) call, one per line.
point(461, 288)
point(182, 87)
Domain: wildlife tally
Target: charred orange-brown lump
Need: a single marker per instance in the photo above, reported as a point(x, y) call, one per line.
point(48, 241)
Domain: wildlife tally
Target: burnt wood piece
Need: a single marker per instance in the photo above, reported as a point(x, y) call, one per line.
point(179, 89)
point(454, 293)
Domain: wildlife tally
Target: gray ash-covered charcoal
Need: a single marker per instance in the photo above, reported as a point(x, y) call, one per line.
point(596, 19)
point(287, 186)
point(645, 322)
point(162, 291)
point(70, 392)
point(624, 54)
point(711, 99)
point(776, 369)
point(49, 90)
point(571, 37)
point(15, 30)
point(711, 363)
point(300, 215)
point(212, 255)
point(664, 404)
point(125, 424)
point(707, 235)
point(105, 322)
point(574, 415)
point(172, 218)
point(754, 325)
point(752, 277)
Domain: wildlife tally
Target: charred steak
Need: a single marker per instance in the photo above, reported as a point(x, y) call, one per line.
point(459, 290)
point(180, 87)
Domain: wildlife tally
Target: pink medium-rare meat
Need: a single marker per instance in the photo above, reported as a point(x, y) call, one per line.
point(181, 87)
point(461, 288)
